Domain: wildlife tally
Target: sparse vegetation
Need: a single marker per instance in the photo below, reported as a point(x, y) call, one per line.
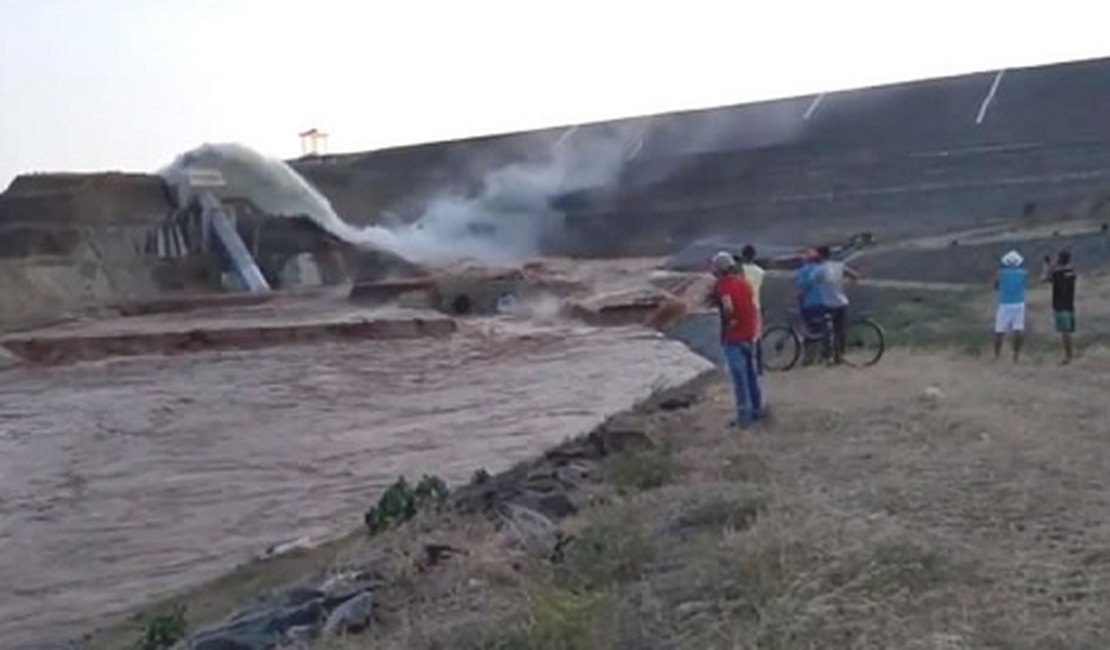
point(611, 549)
point(400, 502)
point(939, 320)
point(642, 469)
point(737, 510)
point(162, 629)
point(561, 619)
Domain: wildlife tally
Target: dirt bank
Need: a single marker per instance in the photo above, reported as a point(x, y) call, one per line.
point(71, 240)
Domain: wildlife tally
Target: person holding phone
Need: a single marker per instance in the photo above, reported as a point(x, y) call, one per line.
point(1062, 277)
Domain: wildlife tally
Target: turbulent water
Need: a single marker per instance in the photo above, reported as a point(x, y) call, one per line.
point(132, 478)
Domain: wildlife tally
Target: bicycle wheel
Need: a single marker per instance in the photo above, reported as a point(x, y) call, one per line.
point(864, 343)
point(779, 348)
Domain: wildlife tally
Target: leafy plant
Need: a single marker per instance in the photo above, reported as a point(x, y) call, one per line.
point(163, 629)
point(400, 502)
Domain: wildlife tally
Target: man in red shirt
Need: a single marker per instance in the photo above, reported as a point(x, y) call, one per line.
point(739, 336)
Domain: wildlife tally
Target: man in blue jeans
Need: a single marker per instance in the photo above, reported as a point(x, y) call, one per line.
point(810, 300)
point(739, 332)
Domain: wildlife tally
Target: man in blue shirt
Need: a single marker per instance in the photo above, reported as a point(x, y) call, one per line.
point(1010, 315)
point(810, 299)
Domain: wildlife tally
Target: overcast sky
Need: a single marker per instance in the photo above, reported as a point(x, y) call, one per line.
point(127, 84)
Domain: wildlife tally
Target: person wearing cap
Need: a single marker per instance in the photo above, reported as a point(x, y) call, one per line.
point(739, 334)
point(1009, 316)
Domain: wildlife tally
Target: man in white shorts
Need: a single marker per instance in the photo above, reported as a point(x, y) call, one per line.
point(1009, 317)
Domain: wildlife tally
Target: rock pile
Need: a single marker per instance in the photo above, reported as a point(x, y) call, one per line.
point(569, 476)
point(331, 606)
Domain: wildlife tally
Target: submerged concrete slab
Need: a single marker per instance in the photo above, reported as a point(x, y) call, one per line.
point(218, 331)
point(465, 293)
point(184, 303)
point(376, 293)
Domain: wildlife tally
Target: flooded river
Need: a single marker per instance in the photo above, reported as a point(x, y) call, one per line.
point(129, 479)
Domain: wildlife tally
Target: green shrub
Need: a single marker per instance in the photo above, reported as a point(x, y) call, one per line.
point(400, 502)
point(162, 629)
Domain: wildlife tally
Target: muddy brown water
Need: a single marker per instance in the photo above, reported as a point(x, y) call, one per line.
point(129, 479)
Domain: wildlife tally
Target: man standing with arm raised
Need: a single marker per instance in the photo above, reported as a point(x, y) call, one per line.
point(1009, 317)
point(1063, 278)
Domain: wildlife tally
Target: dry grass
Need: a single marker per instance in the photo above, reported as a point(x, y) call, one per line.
point(641, 470)
point(867, 516)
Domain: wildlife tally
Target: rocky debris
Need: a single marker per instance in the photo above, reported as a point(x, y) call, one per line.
point(341, 587)
point(339, 604)
point(677, 397)
point(678, 402)
point(259, 629)
point(353, 616)
point(624, 434)
point(529, 530)
point(555, 486)
point(561, 482)
point(435, 554)
point(587, 449)
point(300, 636)
point(290, 547)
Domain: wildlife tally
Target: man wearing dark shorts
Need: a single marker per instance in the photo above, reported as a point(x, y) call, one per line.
point(1062, 277)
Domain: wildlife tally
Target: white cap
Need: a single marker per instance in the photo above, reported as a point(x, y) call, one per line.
point(1013, 258)
point(723, 261)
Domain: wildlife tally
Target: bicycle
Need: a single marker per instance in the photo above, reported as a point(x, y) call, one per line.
point(781, 346)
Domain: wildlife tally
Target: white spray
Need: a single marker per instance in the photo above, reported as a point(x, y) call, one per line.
point(507, 220)
point(504, 223)
point(273, 186)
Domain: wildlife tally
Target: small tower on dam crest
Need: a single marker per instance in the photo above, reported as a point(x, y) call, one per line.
point(314, 142)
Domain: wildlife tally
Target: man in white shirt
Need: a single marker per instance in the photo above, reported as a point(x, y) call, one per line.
point(753, 273)
point(830, 276)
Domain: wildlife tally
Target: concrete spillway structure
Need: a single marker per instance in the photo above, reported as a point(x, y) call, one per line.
point(77, 243)
point(219, 222)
